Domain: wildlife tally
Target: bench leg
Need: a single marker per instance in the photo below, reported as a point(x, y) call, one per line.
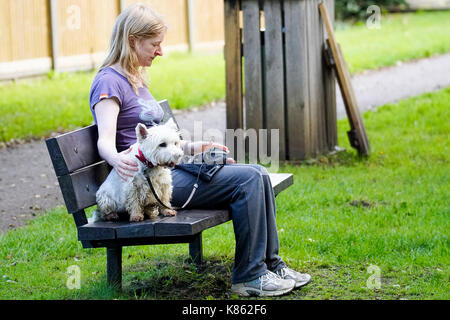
point(114, 266)
point(196, 249)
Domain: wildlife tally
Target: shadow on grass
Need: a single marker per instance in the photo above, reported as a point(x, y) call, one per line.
point(178, 279)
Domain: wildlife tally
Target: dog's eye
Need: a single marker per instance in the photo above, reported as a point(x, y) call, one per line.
point(163, 145)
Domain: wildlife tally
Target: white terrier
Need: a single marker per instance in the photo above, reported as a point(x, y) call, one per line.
point(156, 148)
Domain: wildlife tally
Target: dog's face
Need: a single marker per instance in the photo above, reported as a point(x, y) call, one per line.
point(160, 144)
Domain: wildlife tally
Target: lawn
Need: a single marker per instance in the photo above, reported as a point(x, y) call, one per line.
point(401, 37)
point(344, 217)
point(35, 108)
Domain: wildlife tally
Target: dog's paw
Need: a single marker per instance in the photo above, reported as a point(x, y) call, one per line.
point(136, 218)
point(168, 213)
point(152, 212)
point(112, 216)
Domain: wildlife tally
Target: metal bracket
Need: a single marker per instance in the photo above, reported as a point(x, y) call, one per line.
point(352, 136)
point(328, 55)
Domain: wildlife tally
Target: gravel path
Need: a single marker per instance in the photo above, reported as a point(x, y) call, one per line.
point(28, 185)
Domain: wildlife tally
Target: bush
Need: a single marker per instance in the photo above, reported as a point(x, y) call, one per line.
point(357, 9)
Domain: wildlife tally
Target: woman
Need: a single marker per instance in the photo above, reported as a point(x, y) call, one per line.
point(120, 99)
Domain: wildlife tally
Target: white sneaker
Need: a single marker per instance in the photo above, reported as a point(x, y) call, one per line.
point(300, 279)
point(269, 284)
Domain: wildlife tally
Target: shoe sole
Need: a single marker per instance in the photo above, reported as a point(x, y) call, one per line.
point(302, 284)
point(250, 292)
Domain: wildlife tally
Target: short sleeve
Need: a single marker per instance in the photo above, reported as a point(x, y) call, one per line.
point(104, 87)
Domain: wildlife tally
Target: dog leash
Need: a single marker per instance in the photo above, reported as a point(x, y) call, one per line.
point(187, 201)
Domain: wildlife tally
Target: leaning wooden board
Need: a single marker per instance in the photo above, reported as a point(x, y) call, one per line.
point(357, 134)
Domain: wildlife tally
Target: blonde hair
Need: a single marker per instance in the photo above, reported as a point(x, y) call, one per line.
point(142, 22)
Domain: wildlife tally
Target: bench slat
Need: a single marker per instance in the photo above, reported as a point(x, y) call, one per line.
point(79, 188)
point(74, 150)
point(185, 223)
point(190, 222)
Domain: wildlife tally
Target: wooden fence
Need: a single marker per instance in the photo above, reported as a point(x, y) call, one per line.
point(68, 35)
point(283, 82)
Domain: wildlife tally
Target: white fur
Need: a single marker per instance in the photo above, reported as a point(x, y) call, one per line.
point(134, 197)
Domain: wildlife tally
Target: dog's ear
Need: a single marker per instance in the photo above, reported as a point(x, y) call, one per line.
point(141, 132)
point(171, 124)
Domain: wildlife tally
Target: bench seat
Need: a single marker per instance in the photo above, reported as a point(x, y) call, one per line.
point(185, 223)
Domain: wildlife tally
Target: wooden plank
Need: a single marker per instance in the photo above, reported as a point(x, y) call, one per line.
point(330, 90)
point(233, 65)
point(79, 188)
point(101, 230)
point(74, 150)
point(253, 94)
point(274, 74)
point(281, 181)
point(314, 81)
point(189, 222)
point(321, 113)
point(357, 135)
point(297, 99)
point(167, 112)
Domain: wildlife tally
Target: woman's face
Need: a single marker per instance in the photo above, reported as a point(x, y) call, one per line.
point(148, 49)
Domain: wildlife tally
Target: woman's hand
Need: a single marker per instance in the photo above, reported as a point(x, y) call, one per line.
point(207, 145)
point(124, 167)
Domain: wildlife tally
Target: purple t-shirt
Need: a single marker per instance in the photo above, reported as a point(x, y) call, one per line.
point(134, 109)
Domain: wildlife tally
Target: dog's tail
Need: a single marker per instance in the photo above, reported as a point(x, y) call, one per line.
point(96, 216)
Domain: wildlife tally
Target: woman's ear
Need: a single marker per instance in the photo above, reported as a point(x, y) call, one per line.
point(132, 41)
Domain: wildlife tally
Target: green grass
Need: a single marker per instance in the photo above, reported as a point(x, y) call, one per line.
point(342, 215)
point(35, 108)
point(402, 37)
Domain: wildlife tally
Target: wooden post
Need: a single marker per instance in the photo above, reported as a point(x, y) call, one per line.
point(233, 65)
point(297, 94)
point(122, 5)
point(252, 64)
point(196, 249)
point(54, 33)
point(330, 89)
point(274, 73)
point(114, 266)
point(191, 24)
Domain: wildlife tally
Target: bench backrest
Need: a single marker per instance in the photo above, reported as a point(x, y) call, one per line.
point(78, 166)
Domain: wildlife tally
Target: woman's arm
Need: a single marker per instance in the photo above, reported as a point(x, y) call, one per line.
point(106, 112)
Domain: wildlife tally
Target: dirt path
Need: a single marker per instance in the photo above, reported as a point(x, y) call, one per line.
point(28, 185)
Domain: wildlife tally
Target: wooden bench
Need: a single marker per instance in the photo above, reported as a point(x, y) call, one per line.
point(80, 172)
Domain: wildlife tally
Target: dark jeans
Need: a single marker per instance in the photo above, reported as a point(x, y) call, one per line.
point(246, 190)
